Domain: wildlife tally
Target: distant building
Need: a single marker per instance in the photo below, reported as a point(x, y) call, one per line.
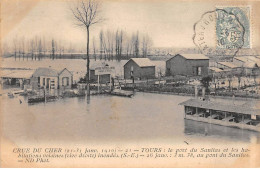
point(215, 71)
point(249, 64)
point(187, 65)
point(227, 66)
point(240, 61)
point(139, 68)
point(19, 78)
point(103, 79)
point(51, 79)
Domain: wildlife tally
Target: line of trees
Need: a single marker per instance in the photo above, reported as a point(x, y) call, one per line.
point(37, 48)
point(121, 45)
point(110, 45)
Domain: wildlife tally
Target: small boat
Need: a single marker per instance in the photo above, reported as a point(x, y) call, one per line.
point(10, 94)
point(18, 92)
point(118, 92)
point(38, 99)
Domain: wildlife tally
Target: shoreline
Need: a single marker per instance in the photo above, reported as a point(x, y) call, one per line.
point(5, 91)
point(191, 95)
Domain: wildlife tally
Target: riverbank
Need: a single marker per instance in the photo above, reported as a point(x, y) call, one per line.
point(181, 91)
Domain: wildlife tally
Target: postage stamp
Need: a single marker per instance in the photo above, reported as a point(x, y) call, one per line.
point(223, 32)
point(242, 15)
point(229, 31)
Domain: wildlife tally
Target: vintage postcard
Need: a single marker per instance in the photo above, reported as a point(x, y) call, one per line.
point(130, 83)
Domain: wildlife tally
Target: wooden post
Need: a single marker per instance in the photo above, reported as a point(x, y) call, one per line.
point(98, 82)
point(133, 83)
point(110, 83)
point(44, 93)
point(210, 113)
point(49, 85)
point(185, 109)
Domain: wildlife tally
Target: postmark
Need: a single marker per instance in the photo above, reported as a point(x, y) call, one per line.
point(222, 32)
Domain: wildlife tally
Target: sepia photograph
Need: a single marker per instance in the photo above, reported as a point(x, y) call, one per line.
point(129, 84)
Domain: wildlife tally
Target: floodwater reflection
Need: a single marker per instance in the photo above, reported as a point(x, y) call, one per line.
point(145, 117)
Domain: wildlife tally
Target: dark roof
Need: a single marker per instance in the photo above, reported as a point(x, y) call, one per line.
point(192, 56)
point(49, 72)
point(221, 106)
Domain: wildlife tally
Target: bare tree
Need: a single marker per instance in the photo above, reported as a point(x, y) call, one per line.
point(128, 46)
point(15, 47)
point(28, 49)
point(19, 48)
point(136, 44)
point(53, 49)
point(32, 48)
point(146, 44)
point(119, 44)
point(86, 14)
point(44, 49)
point(40, 49)
point(23, 46)
point(103, 45)
point(94, 49)
point(59, 48)
point(101, 36)
point(109, 44)
point(36, 47)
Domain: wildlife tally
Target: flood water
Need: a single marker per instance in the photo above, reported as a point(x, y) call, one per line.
point(76, 66)
point(145, 117)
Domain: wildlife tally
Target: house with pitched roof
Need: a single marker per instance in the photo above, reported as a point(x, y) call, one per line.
point(139, 68)
point(51, 79)
point(187, 65)
point(65, 79)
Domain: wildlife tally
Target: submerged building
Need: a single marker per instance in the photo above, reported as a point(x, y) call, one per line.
point(51, 79)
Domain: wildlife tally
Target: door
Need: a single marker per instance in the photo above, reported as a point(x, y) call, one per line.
point(47, 82)
point(65, 81)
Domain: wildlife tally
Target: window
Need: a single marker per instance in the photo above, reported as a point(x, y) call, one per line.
point(39, 80)
point(199, 70)
point(132, 71)
point(43, 81)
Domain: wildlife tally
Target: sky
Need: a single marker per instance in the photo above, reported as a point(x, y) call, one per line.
point(168, 23)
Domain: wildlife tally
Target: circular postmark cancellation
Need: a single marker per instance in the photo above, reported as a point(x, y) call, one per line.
point(219, 34)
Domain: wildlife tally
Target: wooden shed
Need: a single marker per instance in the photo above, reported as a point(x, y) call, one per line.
point(139, 68)
point(187, 65)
